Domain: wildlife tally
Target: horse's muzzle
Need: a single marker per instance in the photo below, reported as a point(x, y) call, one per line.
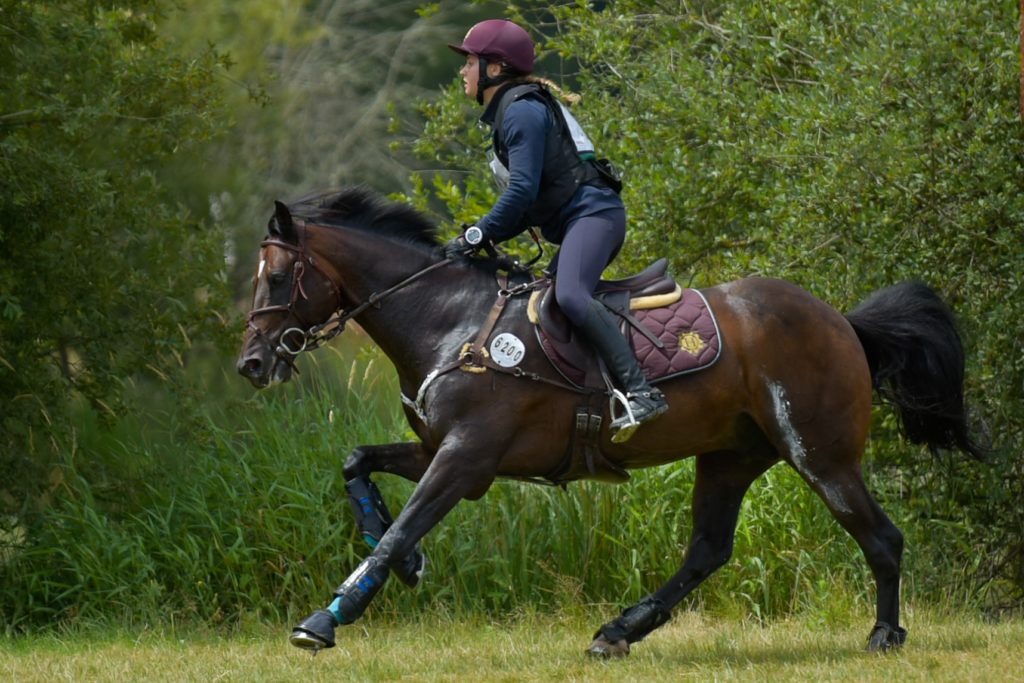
point(252, 369)
point(262, 368)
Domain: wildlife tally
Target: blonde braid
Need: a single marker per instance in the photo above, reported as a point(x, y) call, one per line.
point(569, 98)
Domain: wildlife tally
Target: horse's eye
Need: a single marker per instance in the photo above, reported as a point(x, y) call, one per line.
point(277, 278)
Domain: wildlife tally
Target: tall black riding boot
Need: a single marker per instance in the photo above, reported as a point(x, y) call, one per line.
point(643, 402)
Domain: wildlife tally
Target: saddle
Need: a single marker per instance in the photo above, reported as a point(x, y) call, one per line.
point(672, 330)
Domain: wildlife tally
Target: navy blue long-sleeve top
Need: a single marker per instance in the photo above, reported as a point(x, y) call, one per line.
point(526, 125)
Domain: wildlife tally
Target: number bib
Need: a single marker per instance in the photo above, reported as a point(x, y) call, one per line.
point(507, 350)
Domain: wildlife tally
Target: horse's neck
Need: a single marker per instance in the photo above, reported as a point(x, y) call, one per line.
point(424, 324)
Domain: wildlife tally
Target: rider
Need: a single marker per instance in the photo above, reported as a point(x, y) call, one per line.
point(550, 176)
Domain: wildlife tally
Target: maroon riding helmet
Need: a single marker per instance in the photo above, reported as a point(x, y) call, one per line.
point(501, 40)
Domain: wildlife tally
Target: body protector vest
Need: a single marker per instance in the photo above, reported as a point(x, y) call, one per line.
point(568, 156)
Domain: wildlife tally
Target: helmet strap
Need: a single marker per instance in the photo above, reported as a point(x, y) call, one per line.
point(484, 81)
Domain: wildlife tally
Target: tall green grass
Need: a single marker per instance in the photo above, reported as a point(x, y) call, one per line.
point(230, 506)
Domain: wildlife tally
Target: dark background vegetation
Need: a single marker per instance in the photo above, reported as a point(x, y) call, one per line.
point(843, 146)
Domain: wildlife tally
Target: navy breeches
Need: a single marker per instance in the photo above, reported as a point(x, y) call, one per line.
point(589, 245)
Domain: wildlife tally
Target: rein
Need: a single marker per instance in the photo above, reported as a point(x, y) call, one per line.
point(342, 316)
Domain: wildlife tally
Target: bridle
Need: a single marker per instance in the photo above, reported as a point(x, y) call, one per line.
point(308, 338)
point(313, 336)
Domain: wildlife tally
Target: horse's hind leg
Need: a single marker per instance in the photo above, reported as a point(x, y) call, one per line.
point(409, 460)
point(827, 456)
point(722, 480)
point(839, 483)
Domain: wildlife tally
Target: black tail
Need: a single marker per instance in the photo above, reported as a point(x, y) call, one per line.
point(917, 363)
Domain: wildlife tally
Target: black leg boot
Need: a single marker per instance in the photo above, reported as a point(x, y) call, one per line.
point(643, 402)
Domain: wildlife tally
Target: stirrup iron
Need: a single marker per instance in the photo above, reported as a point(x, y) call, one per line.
point(651, 404)
point(626, 418)
point(626, 421)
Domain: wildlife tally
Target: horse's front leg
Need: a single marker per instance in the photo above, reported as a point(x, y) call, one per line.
point(456, 472)
point(409, 460)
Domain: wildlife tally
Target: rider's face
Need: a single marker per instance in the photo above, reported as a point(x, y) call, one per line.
point(470, 74)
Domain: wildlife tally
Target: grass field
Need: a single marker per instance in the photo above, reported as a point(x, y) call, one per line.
point(692, 647)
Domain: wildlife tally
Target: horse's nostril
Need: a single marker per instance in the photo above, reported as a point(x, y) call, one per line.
point(250, 367)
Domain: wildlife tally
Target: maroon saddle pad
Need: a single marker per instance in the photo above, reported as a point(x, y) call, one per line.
point(687, 330)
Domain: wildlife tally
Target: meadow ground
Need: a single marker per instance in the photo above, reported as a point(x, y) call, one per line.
point(941, 647)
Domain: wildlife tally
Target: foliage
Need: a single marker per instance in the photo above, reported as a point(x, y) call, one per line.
point(839, 145)
point(101, 274)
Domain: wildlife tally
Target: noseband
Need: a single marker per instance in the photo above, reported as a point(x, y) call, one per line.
point(316, 335)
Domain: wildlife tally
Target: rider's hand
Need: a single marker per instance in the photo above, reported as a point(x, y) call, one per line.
point(469, 242)
point(456, 247)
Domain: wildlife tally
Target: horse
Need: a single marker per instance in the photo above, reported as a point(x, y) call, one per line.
point(793, 382)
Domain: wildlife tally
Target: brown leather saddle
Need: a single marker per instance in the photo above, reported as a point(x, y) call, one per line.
point(672, 330)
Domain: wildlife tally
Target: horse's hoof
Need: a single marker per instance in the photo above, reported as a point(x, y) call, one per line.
point(604, 649)
point(410, 570)
point(315, 632)
point(885, 638)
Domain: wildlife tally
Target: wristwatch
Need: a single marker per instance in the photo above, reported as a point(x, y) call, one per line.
point(473, 235)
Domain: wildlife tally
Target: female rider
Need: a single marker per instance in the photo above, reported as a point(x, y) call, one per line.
point(552, 181)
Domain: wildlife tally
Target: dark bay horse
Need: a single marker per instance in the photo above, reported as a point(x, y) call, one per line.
point(794, 382)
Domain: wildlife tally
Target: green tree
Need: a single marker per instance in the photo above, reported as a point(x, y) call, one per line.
point(102, 275)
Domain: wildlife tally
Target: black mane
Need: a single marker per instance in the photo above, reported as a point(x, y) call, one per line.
point(363, 209)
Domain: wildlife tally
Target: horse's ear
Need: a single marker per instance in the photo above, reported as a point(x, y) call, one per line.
point(281, 225)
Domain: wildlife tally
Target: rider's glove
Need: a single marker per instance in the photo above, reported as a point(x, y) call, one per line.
point(469, 242)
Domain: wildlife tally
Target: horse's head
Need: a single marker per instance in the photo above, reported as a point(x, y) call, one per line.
point(292, 297)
